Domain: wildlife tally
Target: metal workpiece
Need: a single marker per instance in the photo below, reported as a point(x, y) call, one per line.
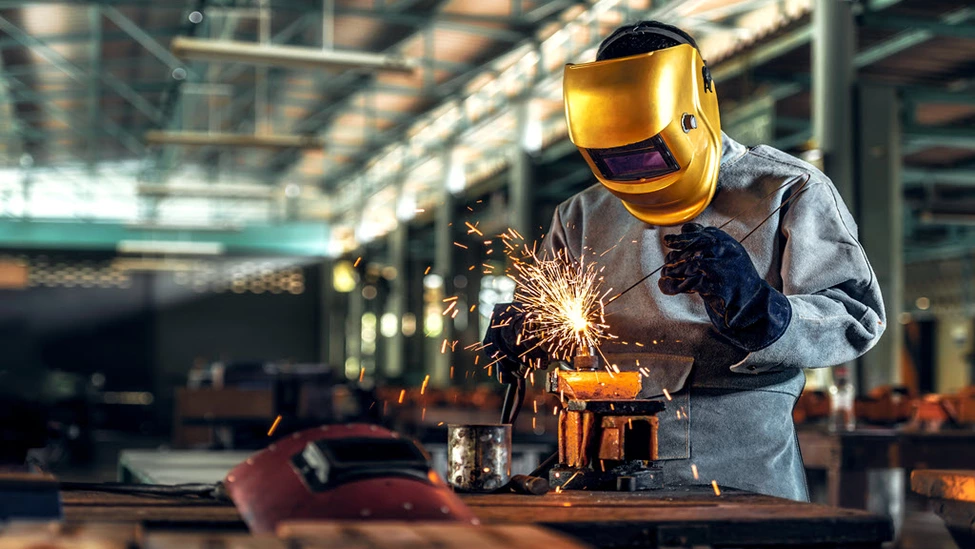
point(478, 457)
point(633, 476)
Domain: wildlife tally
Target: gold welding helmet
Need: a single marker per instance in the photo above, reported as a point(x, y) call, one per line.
point(648, 126)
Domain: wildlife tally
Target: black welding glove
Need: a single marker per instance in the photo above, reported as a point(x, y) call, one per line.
point(514, 354)
point(742, 306)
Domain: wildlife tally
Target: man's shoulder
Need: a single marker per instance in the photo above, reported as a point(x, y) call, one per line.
point(763, 160)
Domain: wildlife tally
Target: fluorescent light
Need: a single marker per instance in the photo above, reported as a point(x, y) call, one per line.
point(186, 190)
point(297, 57)
point(176, 247)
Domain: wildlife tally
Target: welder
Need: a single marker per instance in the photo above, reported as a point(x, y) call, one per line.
point(797, 293)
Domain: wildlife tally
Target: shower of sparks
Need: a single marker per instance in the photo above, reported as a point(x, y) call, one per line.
point(563, 304)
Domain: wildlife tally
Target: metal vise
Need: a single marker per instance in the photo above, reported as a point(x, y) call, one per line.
point(607, 426)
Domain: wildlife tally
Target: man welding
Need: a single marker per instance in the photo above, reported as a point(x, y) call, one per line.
point(796, 292)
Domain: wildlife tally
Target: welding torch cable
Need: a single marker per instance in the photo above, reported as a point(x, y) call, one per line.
point(802, 187)
point(513, 399)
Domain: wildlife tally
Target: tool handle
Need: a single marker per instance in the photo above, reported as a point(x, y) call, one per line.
point(526, 484)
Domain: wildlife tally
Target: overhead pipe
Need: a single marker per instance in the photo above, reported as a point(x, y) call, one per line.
point(296, 57)
point(224, 139)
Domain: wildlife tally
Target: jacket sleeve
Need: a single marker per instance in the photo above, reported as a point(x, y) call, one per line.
point(837, 309)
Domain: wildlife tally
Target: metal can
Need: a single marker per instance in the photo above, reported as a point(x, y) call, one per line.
point(478, 457)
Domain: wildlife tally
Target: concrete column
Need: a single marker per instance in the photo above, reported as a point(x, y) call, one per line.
point(393, 366)
point(353, 330)
point(328, 322)
point(520, 184)
point(416, 348)
point(880, 222)
point(443, 265)
point(834, 46)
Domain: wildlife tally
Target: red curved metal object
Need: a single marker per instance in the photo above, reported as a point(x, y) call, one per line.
point(270, 487)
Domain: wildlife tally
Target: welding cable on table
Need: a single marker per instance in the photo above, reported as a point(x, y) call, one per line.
point(213, 491)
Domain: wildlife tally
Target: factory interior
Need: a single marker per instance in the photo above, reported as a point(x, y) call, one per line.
point(251, 253)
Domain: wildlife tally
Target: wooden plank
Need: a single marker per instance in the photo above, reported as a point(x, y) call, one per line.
point(421, 535)
point(55, 535)
point(606, 519)
point(106, 507)
point(602, 519)
point(944, 484)
point(174, 540)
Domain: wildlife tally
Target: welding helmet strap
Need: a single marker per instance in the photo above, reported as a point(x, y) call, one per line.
point(666, 33)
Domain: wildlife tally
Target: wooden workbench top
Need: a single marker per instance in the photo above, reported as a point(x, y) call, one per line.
point(601, 519)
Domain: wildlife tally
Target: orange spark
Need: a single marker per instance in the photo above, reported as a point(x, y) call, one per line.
point(274, 426)
point(714, 484)
point(402, 394)
point(356, 264)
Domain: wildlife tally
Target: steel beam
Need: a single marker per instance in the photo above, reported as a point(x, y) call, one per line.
point(918, 95)
point(110, 127)
point(907, 39)
point(84, 37)
point(921, 177)
point(775, 48)
point(936, 27)
point(881, 222)
point(916, 137)
point(77, 74)
point(143, 38)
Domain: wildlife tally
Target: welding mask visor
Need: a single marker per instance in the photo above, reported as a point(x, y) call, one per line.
point(648, 127)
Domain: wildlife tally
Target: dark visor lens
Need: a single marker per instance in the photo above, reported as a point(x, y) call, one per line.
point(648, 158)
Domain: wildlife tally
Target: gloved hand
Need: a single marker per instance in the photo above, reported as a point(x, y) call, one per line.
point(502, 342)
point(743, 308)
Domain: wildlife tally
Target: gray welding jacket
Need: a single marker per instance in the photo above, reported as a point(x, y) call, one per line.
point(730, 412)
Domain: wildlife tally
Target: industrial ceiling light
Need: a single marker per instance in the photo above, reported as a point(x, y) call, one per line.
point(169, 247)
point(296, 57)
point(224, 139)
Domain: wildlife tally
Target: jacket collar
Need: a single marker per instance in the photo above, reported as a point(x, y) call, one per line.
point(730, 149)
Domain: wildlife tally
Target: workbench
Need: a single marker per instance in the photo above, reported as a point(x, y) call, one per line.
point(846, 456)
point(952, 495)
point(667, 518)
